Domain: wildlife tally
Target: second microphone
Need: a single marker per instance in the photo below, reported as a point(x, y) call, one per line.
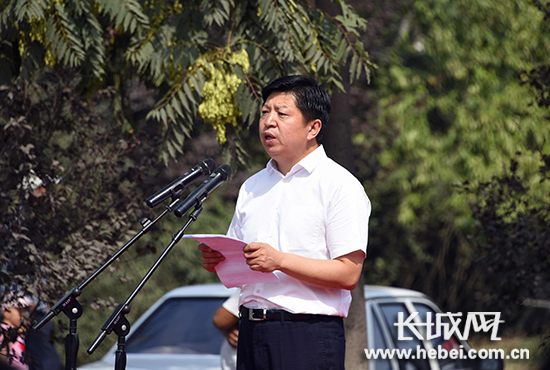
point(198, 196)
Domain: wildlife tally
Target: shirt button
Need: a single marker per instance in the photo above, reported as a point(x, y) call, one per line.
point(258, 291)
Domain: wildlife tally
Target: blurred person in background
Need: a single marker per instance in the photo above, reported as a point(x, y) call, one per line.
point(12, 335)
point(40, 349)
point(226, 319)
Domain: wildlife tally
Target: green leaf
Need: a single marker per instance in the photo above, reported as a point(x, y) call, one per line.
point(164, 117)
point(177, 106)
point(183, 100)
point(189, 93)
point(170, 112)
point(171, 148)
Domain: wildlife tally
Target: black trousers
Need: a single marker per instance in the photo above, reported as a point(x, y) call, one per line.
point(315, 343)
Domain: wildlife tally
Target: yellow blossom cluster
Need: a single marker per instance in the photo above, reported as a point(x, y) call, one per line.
point(38, 33)
point(218, 105)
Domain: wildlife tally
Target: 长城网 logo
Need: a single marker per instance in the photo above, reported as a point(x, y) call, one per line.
point(447, 324)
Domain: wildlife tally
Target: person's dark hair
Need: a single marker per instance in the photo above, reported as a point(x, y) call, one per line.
point(311, 99)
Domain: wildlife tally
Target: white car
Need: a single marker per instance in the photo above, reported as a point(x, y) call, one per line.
point(177, 333)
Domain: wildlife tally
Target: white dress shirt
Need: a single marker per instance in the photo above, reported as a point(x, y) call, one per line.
point(318, 210)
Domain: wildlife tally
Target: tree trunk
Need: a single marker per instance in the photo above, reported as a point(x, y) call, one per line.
point(337, 143)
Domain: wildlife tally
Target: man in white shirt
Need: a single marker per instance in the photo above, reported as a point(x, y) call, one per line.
point(306, 219)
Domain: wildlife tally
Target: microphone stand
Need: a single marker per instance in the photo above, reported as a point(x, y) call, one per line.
point(118, 322)
point(72, 308)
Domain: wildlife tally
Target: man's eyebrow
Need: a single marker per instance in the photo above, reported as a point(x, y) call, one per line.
point(277, 106)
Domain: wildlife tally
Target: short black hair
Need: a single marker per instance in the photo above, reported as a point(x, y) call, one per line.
point(311, 99)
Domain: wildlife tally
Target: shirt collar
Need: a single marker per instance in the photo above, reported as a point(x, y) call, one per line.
point(308, 163)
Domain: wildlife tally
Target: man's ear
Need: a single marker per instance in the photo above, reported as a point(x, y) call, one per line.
point(314, 128)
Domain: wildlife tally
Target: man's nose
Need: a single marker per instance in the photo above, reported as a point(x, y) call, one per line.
point(270, 120)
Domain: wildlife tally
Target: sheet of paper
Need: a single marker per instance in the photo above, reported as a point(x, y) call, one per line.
point(234, 271)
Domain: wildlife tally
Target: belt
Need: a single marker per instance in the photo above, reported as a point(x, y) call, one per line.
point(261, 314)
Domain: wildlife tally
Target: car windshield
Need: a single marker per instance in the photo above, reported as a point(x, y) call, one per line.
point(179, 326)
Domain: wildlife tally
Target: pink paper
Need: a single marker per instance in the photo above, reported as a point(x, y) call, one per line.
point(234, 271)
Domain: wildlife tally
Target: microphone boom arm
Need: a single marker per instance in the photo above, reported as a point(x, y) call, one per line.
point(118, 322)
point(76, 291)
point(69, 304)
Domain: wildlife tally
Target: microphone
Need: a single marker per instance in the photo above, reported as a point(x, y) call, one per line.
point(201, 193)
point(176, 188)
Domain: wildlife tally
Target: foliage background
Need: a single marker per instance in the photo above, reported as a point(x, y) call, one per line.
point(450, 138)
point(450, 108)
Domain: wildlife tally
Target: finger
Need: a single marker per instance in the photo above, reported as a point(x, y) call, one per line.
point(212, 261)
point(251, 247)
point(212, 254)
point(204, 248)
point(252, 253)
point(210, 267)
point(233, 338)
point(250, 261)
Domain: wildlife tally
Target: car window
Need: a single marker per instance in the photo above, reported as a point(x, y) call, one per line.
point(179, 325)
point(380, 344)
point(446, 345)
point(391, 312)
point(423, 311)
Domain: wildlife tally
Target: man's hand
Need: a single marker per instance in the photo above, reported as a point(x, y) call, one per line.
point(209, 257)
point(233, 337)
point(228, 325)
point(262, 257)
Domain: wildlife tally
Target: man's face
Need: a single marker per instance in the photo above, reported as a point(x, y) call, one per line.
point(284, 132)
